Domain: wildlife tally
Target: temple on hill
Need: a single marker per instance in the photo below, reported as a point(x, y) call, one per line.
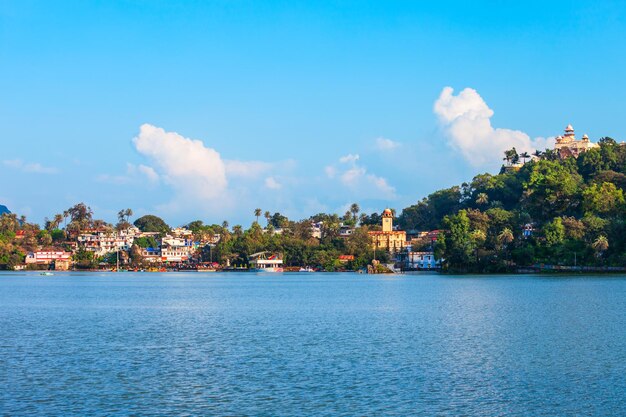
point(568, 145)
point(388, 239)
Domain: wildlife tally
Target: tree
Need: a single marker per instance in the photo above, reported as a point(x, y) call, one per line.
point(152, 223)
point(257, 214)
point(505, 237)
point(354, 209)
point(554, 232)
point(482, 199)
point(600, 245)
point(81, 217)
point(603, 199)
point(459, 246)
point(268, 217)
point(524, 157)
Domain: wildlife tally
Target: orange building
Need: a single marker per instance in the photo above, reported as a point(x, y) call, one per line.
point(388, 239)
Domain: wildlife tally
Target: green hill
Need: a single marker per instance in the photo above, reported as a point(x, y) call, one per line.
point(573, 211)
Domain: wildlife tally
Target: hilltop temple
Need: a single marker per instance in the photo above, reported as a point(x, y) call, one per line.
point(388, 239)
point(568, 145)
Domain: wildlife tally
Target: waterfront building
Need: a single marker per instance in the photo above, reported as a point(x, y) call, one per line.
point(567, 145)
point(60, 259)
point(422, 260)
point(388, 239)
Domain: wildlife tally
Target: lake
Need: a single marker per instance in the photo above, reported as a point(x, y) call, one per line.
point(311, 344)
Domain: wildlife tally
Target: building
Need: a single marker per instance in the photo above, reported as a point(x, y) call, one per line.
point(102, 242)
point(345, 230)
point(60, 259)
point(422, 260)
point(316, 229)
point(388, 239)
point(176, 248)
point(567, 145)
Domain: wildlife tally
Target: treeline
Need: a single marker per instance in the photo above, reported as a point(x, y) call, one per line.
point(573, 211)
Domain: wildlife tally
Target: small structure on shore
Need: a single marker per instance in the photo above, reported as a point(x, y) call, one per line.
point(265, 262)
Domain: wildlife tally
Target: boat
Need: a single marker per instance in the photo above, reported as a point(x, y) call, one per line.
point(265, 262)
point(307, 269)
point(46, 273)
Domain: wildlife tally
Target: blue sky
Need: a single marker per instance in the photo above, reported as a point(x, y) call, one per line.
point(299, 107)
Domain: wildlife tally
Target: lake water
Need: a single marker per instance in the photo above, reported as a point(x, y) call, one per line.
point(311, 344)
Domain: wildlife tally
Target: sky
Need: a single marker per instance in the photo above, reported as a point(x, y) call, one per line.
point(210, 109)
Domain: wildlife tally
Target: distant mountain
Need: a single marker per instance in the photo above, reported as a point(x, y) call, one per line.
point(4, 209)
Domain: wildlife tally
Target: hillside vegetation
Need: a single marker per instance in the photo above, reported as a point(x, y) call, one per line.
point(573, 209)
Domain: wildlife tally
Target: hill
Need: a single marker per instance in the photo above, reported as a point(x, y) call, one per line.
point(552, 210)
point(4, 209)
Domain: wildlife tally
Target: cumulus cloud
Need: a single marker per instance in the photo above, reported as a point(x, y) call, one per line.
point(134, 174)
point(29, 167)
point(466, 122)
point(186, 164)
point(247, 169)
point(384, 144)
point(149, 173)
point(355, 177)
point(272, 183)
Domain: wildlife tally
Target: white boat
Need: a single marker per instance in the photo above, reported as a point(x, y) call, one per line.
point(265, 262)
point(307, 269)
point(46, 273)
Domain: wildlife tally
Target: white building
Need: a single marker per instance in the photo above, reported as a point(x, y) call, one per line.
point(102, 242)
point(422, 260)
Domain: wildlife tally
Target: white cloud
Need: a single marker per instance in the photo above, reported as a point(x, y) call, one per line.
point(134, 174)
point(349, 158)
point(271, 183)
point(29, 167)
point(356, 178)
point(384, 144)
point(188, 165)
point(149, 173)
point(465, 119)
point(246, 169)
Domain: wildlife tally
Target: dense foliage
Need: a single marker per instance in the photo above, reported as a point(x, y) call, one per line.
point(573, 210)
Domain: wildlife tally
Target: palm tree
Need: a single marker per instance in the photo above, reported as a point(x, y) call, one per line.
point(538, 153)
point(600, 245)
point(524, 156)
point(237, 230)
point(257, 214)
point(482, 198)
point(505, 237)
point(354, 209)
point(58, 218)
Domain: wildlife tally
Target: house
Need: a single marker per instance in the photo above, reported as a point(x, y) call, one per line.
point(388, 239)
point(346, 258)
point(151, 255)
point(316, 229)
point(345, 230)
point(422, 260)
point(60, 259)
point(176, 248)
point(102, 242)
